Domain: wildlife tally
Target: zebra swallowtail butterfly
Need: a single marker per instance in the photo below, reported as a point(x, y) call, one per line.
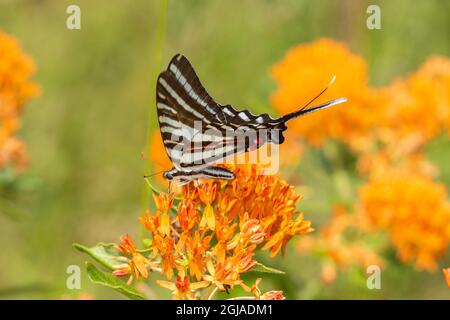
point(198, 132)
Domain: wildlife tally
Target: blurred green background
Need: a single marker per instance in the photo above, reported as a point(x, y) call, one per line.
point(86, 131)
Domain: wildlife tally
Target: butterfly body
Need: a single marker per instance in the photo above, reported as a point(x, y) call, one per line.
point(198, 132)
point(212, 172)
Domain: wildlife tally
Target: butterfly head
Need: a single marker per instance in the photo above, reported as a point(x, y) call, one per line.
point(170, 174)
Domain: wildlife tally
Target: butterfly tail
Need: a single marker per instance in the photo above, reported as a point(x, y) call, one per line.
point(305, 111)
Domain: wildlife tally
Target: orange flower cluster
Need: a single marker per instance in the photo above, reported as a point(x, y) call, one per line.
point(340, 250)
point(16, 89)
point(387, 128)
point(414, 211)
point(411, 111)
point(404, 157)
point(210, 235)
point(417, 106)
point(307, 69)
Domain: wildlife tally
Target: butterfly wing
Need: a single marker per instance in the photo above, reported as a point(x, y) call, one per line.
point(197, 131)
point(193, 126)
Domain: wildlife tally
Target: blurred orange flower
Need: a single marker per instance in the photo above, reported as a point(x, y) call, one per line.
point(402, 157)
point(338, 250)
point(430, 86)
point(446, 272)
point(16, 89)
point(414, 211)
point(418, 105)
point(308, 68)
point(158, 157)
point(270, 295)
point(183, 288)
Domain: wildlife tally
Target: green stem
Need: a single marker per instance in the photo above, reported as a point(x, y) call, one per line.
point(211, 293)
point(159, 47)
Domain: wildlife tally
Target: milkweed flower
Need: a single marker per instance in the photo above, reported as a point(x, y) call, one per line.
point(405, 156)
point(135, 264)
point(339, 251)
point(414, 211)
point(209, 234)
point(416, 105)
point(414, 108)
point(269, 295)
point(304, 71)
point(16, 89)
point(430, 88)
point(183, 288)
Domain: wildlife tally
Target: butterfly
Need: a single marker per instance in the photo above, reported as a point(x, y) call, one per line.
point(199, 133)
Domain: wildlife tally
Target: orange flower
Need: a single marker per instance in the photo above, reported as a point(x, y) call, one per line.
point(165, 247)
point(207, 195)
point(205, 241)
point(183, 288)
point(337, 249)
point(446, 272)
point(418, 105)
point(328, 273)
point(414, 211)
point(397, 159)
point(13, 151)
point(16, 89)
point(273, 295)
point(390, 113)
point(136, 264)
point(163, 202)
point(149, 221)
point(270, 295)
point(305, 71)
point(223, 233)
point(223, 275)
point(158, 156)
point(187, 215)
point(197, 249)
point(251, 233)
point(288, 229)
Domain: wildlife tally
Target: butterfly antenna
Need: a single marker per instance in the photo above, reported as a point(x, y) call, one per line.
point(304, 110)
point(321, 93)
point(153, 174)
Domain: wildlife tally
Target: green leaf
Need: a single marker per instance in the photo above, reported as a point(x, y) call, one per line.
point(108, 280)
point(262, 268)
point(104, 253)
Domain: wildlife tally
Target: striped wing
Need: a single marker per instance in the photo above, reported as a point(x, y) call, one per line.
point(197, 131)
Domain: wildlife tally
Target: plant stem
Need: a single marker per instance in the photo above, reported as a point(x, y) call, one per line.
point(211, 293)
point(159, 46)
